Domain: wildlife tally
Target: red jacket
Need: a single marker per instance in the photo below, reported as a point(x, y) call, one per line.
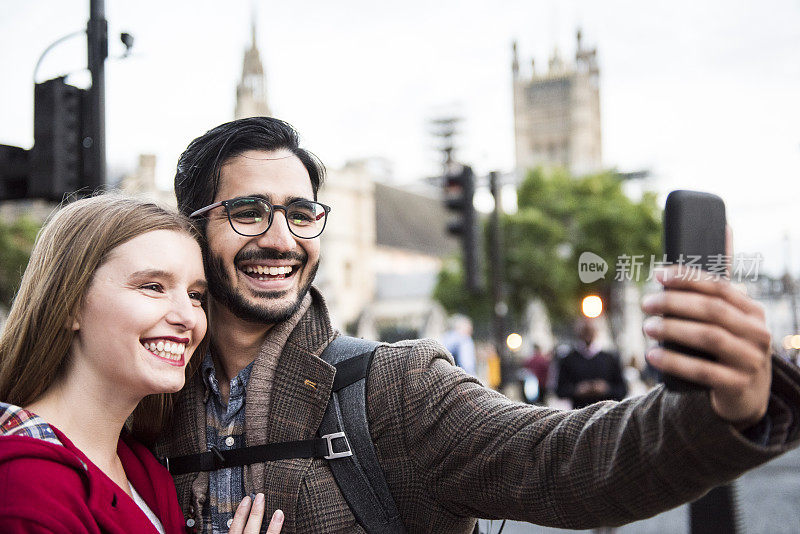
point(45, 487)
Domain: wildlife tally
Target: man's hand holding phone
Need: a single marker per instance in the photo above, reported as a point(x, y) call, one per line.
point(713, 316)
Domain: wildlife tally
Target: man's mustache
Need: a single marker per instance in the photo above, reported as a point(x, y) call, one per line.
point(269, 254)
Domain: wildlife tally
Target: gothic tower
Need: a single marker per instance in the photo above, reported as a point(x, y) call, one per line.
point(557, 113)
point(251, 92)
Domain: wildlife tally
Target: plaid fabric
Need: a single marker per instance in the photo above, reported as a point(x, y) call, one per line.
point(225, 430)
point(17, 421)
point(453, 450)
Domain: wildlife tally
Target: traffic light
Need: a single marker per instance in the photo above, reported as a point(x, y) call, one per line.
point(15, 172)
point(59, 156)
point(459, 190)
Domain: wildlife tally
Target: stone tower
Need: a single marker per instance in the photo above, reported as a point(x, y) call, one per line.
point(557, 113)
point(251, 92)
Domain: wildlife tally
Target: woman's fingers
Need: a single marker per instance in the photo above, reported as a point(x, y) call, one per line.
point(250, 514)
point(276, 523)
point(240, 517)
point(256, 515)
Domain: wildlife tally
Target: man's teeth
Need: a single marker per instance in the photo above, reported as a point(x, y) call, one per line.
point(265, 270)
point(166, 349)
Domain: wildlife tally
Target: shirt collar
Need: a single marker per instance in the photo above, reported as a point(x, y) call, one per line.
point(209, 374)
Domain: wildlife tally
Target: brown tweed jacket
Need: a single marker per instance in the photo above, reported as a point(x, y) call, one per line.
point(453, 450)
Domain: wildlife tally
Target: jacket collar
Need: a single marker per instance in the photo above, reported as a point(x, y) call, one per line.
point(296, 396)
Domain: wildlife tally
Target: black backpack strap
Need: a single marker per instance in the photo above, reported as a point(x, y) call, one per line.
point(330, 447)
point(359, 476)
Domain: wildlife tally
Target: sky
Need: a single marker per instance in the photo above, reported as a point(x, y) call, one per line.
point(704, 95)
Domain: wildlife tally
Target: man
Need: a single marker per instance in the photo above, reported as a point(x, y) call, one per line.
point(588, 374)
point(451, 450)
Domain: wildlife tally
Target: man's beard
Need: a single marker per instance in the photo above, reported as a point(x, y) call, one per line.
point(221, 287)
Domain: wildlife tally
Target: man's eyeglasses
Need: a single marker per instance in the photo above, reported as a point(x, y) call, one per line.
point(252, 216)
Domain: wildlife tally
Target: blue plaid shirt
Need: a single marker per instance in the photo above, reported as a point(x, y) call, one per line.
point(225, 430)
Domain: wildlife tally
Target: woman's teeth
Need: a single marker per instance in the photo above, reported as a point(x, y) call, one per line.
point(166, 349)
point(264, 271)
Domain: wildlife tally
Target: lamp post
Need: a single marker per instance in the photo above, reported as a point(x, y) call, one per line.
point(97, 46)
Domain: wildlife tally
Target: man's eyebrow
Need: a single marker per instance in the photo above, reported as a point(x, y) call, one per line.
point(268, 198)
point(295, 199)
point(201, 282)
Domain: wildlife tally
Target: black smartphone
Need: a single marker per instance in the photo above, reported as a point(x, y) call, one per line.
point(694, 237)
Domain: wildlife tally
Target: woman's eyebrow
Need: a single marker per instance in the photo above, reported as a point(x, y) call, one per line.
point(153, 273)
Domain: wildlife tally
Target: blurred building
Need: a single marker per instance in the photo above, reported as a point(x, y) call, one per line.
point(381, 255)
point(142, 183)
point(779, 296)
point(251, 92)
point(557, 113)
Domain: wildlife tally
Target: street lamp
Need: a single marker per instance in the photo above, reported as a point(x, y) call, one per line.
point(592, 306)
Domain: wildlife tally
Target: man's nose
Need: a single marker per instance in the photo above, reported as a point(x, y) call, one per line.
point(278, 235)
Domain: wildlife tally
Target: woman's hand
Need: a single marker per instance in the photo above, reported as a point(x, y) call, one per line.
point(250, 514)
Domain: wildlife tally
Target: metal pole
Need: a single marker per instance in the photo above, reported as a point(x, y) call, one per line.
point(498, 290)
point(94, 142)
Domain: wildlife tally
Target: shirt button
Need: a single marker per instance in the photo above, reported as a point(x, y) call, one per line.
point(229, 443)
point(190, 522)
point(229, 523)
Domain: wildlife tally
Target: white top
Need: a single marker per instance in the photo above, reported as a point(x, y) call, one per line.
point(146, 509)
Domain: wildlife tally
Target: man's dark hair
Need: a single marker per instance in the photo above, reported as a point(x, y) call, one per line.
point(198, 173)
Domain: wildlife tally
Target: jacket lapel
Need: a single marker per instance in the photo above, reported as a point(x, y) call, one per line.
point(297, 397)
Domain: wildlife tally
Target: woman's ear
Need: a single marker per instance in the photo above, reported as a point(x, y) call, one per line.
point(72, 323)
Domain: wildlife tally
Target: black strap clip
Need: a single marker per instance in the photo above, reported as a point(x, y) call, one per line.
point(217, 457)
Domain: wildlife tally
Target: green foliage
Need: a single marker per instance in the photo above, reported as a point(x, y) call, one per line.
point(16, 243)
point(558, 218)
point(451, 292)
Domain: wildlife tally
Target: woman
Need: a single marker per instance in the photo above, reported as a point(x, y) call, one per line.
point(106, 320)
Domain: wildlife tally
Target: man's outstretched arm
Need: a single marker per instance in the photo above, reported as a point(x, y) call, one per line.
point(471, 452)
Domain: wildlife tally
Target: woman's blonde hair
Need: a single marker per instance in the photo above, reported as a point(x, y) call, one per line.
point(72, 245)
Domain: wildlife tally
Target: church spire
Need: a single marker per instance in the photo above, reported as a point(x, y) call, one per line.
point(253, 29)
point(251, 92)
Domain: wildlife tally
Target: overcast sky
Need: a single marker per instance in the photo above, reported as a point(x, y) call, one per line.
point(706, 95)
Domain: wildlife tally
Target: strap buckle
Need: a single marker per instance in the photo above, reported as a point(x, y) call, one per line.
point(333, 455)
point(216, 457)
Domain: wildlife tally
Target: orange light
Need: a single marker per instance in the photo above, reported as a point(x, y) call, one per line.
point(514, 341)
point(592, 306)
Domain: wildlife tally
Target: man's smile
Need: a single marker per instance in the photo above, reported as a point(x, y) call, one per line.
point(268, 272)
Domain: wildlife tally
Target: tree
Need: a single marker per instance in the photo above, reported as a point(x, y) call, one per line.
point(16, 242)
point(558, 218)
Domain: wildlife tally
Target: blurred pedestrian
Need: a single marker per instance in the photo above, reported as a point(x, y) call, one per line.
point(458, 340)
point(588, 374)
point(538, 364)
